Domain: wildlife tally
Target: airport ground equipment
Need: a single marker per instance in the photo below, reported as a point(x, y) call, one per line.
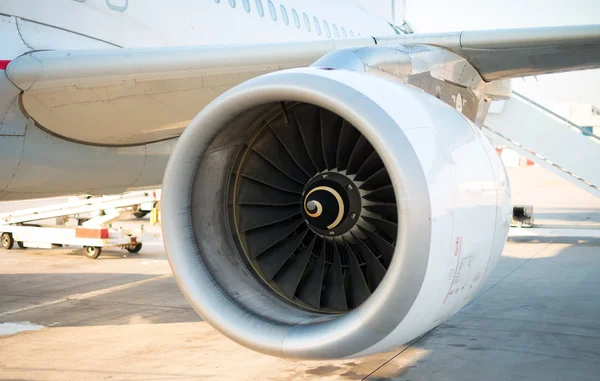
point(553, 142)
point(143, 209)
point(93, 234)
point(47, 237)
point(522, 216)
point(523, 226)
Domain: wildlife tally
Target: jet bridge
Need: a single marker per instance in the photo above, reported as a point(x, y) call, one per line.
point(547, 139)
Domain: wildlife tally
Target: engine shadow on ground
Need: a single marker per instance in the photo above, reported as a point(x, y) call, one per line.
point(568, 214)
point(564, 240)
point(107, 253)
point(536, 318)
point(156, 302)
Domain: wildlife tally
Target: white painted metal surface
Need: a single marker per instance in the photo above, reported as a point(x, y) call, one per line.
point(44, 237)
point(167, 77)
point(156, 23)
point(36, 164)
point(548, 140)
point(168, 86)
point(94, 204)
point(453, 210)
point(77, 102)
point(445, 177)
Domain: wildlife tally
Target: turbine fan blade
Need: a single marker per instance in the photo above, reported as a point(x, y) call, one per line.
point(271, 261)
point(254, 193)
point(269, 147)
point(289, 277)
point(377, 180)
point(259, 240)
point(388, 228)
point(259, 169)
point(384, 194)
point(310, 287)
point(389, 211)
point(289, 136)
point(334, 295)
point(369, 167)
point(256, 216)
point(375, 270)
point(348, 138)
point(280, 244)
point(331, 127)
point(358, 290)
point(385, 248)
point(361, 152)
point(308, 121)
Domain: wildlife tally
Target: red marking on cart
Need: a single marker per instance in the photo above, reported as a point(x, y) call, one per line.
point(4, 64)
point(457, 250)
point(101, 233)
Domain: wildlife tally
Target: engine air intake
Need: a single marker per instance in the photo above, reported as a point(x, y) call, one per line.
point(314, 211)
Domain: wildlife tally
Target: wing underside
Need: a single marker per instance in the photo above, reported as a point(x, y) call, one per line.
point(510, 53)
point(151, 94)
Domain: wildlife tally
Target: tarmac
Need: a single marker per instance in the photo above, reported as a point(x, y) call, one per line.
point(122, 316)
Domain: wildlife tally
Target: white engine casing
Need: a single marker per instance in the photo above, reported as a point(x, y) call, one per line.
point(453, 209)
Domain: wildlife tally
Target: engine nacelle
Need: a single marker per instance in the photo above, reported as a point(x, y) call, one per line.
point(315, 213)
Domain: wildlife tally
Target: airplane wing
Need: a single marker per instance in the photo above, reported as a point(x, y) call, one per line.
point(151, 94)
point(137, 96)
point(510, 53)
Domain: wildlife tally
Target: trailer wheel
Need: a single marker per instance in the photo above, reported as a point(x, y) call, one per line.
point(135, 249)
point(140, 214)
point(92, 252)
point(7, 241)
point(21, 244)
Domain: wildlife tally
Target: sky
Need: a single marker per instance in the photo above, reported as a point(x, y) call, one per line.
point(427, 16)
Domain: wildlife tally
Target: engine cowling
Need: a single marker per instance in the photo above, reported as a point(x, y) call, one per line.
point(315, 213)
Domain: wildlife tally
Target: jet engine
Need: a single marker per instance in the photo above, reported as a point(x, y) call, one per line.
point(316, 213)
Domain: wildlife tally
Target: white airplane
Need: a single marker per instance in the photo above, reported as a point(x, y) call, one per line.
point(328, 191)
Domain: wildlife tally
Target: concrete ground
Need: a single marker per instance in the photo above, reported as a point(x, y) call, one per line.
point(122, 317)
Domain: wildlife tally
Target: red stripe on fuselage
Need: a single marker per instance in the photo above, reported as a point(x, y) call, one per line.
point(4, 64)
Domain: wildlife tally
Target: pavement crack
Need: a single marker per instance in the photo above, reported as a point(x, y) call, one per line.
point(86, 295)
point(398, 354)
